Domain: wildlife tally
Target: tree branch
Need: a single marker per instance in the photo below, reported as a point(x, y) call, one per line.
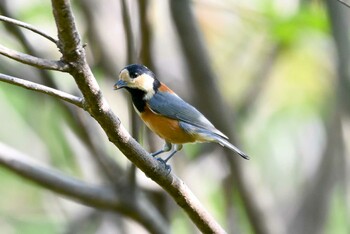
point(29, 27)
point(344, 3)
point(97, 106)
point(146, 35)
point(34, 61)
point(42, 89)
point(129, 38)
point(56, 181)
point(134, 207)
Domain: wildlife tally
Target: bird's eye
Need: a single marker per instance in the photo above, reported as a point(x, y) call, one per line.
point(134, 74)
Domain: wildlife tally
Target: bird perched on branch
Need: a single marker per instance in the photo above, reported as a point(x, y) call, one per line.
point(166, 114)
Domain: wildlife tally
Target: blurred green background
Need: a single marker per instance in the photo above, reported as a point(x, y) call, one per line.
point(282, 69)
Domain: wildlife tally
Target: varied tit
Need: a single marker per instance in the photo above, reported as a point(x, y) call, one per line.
point(166, 114)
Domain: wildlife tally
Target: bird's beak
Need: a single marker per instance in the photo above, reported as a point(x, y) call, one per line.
point(120, 84)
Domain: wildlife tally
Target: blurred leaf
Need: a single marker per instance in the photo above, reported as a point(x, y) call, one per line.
point(35, 11)
point(309, 19)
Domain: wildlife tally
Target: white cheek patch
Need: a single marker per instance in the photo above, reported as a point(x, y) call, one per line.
point(145, 82)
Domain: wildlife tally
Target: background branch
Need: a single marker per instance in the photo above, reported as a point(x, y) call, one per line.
point(27, 26)
point(134, 207)
point(345, 3)
point(42, 89)
point(129, 37)
point(56, 181)
point(33, 61)
point(146, 35)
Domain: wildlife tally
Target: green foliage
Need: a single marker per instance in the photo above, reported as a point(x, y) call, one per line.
point(307, 21)
point(35, 11)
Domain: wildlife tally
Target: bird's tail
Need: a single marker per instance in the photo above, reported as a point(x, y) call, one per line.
point(225, 143)
point(211, 135)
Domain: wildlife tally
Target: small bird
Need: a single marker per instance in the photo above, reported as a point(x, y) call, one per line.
point(166, 114)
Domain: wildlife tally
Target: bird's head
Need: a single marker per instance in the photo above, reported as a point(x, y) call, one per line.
point(139, 77)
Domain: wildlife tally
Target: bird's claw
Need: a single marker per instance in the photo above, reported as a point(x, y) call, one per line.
point(167, 167)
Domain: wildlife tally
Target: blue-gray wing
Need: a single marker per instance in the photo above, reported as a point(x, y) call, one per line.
point(172, 106)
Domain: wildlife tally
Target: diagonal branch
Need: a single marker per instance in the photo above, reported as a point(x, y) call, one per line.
point(78, 101)
point(105, 198)
point(28, 26)
point(99, 109)
point(344, 3)
point(34, 61)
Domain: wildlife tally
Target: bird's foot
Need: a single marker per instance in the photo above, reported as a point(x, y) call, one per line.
point(167, 167)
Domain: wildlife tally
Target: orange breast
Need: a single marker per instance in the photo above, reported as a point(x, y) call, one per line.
point(166, 128)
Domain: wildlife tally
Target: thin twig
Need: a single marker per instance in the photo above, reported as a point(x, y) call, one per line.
point(57, 65)
point(344, 3)
point(29, 27)
point(78, 101)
